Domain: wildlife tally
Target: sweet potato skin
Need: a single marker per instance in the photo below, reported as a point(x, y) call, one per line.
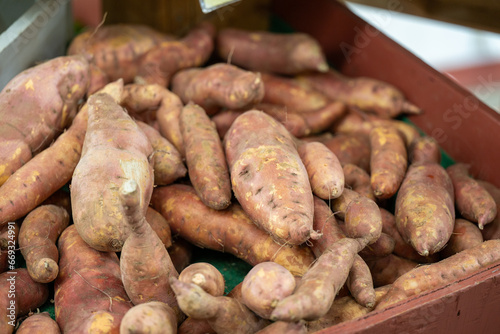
point(492, 230)
point(472, 201)
point(268, 177)
point(204, 275)
point(425, 212)
point(181, 253)
point(358, 179)
point(37, 240)
point(39, 323)
point(89, 293)
point(424, 149)
point(109, 154)
point(151, 317)
point(351, 148)
point(205, 158)
point(386, 270)
point(271, 52)
point(465, 235)
point(160, 226)
point(229, 230)
point(36, 106)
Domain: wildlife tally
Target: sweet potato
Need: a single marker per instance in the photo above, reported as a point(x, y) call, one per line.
point(465, 235)
point(165, 59)
point(223, 120)
point(291, 94)
point(49, 170)
point(425, 213)
point(36, 106)
point(367, 94)
point(424, 149)
point(358, 180)
point(442, 273)
point(89, 293)
point(401, 247)
point(351, 149)
point(385, 270)
point(264, 286)
point(144, 261)
point(383, 246)
point(39, 323)
point(115, 150)
point(492, 230)
point(229, 230)
point(472, 201)
point(37, 241)
point(388, 161)
point(195, 326)
point(205, 276)
point(317, 289)
point(224, 314)
point(181, 253)
point(361, 215)
point(284, 327)
point(151, 317)
point(165, 105)
point(168, 165)
point(219, 85)
point(9, 235)
point(271, 52)
point(268, 177)
point(205, 158)
point(321, 119)
point(359, 281)
point(160, 226)
point(326, 175)
point(21, 295)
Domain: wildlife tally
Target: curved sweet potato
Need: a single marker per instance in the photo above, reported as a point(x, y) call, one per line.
point(492, 230)
point(205, 276)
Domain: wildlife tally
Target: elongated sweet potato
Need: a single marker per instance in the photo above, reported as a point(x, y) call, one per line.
point(317, 289)
point(36, 106)
point(388, 161)
point(165, 59)
point(205, 158)
point(219, 85)
point(224, 314)
point(145, 265)
point(268, 178)
point(492, 230)
point(424, 149)
point(151, 317)
point(465, 235)
point(443, 272)
point(114, 151)
point(385, 270)
point(358, 180)
point(39, 323)
point(368, 94)
point(425, 212)
point(49, 170)
point(229, 230)
point(21, 295)
point(204, 275)
point(168, 165)
point(326, 175)
point(37, 240)
point(89, 293)
point(351, 149)
point(472, 201)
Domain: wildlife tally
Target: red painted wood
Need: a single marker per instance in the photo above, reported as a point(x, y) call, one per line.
point(466, 128)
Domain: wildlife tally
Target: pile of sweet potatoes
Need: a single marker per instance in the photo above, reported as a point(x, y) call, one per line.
point(149, 146)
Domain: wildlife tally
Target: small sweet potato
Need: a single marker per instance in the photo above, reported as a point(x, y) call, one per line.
point(492, 230)
point(89, 293)
point(351, 149)
point(388, 161)
point(443, 272)
point(152, 317)
point(205, 158)
point(465, 235)
point(367, 94)
point(168, 165)
point(425, 212)
point(37, 241)
point(219, 86)
point(385, 270)
point(424, 149)
point(229, 230)
point(358, 179)
point(21, 295)
point(36, 106)
point(326, 175)
point(144, 261)
point(115, 150)
point(271, 52)
point(205, 276)
point(264, 286)
point(224, 314)
point(472, 201)
point(268, 177)
point(39, 323)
